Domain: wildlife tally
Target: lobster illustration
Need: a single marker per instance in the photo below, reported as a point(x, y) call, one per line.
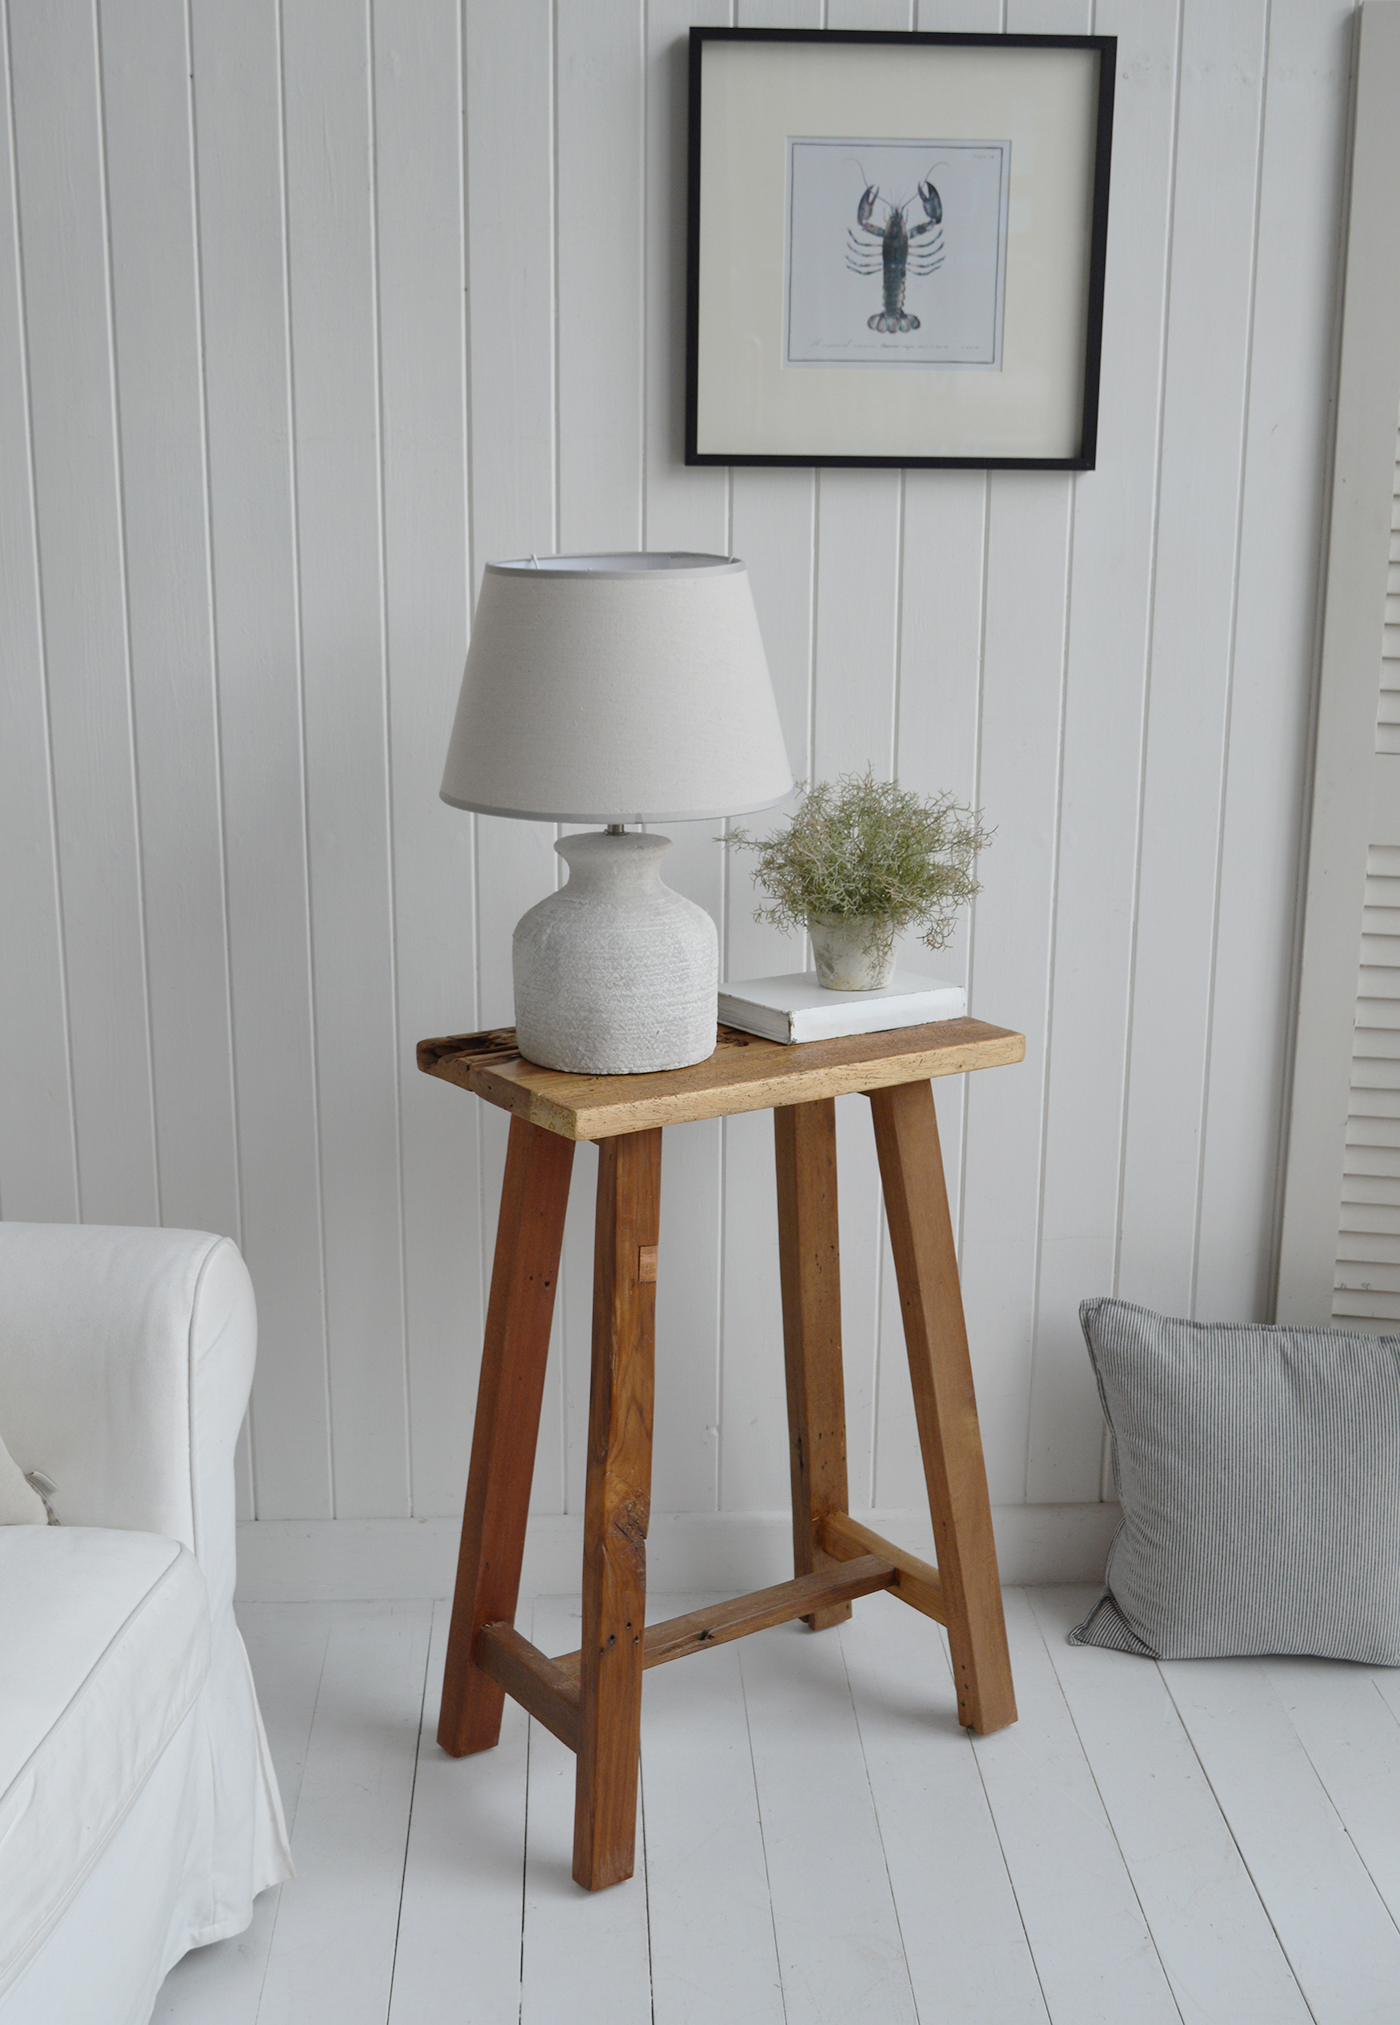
point(898, 255)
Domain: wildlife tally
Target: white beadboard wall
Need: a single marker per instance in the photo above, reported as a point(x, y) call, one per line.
point(307, 308)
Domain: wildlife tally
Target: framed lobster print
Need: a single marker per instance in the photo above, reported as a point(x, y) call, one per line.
point(896, 247)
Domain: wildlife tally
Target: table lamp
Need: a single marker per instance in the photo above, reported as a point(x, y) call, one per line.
point(616, 689)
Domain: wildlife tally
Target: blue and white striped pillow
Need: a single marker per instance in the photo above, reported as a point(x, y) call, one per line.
point(1259, 1472)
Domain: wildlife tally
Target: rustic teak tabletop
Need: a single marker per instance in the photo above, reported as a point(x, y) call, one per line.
point(592, 1698)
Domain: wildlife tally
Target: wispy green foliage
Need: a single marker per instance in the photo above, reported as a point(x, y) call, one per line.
point(861, 846)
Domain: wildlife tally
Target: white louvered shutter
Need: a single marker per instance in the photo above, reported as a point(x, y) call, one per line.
point(1388, 717)
point(1366, 1282)
point(1340, 1251)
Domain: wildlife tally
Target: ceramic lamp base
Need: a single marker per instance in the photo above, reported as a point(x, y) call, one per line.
point(615, 975)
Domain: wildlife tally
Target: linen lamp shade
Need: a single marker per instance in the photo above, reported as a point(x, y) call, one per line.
point(616, 689)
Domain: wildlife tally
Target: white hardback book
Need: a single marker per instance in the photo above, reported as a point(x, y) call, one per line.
point(797, 1008)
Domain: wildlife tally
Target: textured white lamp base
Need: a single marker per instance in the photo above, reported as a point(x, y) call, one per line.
point(616, 974)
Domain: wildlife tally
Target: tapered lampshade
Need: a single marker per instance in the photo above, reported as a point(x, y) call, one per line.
point(616, 689)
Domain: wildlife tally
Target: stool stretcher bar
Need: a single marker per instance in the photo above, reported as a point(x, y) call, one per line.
point(913, 1581)
point(548, 1688)
point(541, 1685)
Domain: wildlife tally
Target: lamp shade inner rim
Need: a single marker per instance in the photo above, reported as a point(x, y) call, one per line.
point(639, 563)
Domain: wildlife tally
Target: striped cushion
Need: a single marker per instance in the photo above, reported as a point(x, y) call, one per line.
point(1259, 1471)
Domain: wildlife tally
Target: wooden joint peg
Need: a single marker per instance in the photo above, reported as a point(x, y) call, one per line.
point(809, 1258)
point(617, 1507)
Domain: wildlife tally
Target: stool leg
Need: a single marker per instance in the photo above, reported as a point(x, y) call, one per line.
point(524, 1274)
point(916, 1199)
point(804, 1138)
point(617, 1507)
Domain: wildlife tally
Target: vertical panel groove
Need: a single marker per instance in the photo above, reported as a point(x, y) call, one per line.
point(125, 579)
point(471, 562)
point(1161, 337)
point(987, 482)
point(22, 336)
point(1048, 1043)
point(213, 632)
point(559, 1374)
point(1231, 648)
point(244, 1461)
point(386, 714)
point(554, 260)
point(295, 502)
point(1163, 341)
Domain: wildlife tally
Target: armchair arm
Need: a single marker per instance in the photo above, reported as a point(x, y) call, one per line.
point(126, 1358)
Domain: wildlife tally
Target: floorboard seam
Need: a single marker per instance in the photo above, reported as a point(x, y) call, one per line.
point(412, 1796)
point(1103, 1803)
point(1342, 1822)
point(1380, 1681)
point(1230, 1831)
point(291, 1819)
point(646, 1880)
point(879, 1825)
point(1001, 1846)
point(762, 1838)
point(525, 1847)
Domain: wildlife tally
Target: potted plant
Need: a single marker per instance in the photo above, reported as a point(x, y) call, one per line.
point(859, 861)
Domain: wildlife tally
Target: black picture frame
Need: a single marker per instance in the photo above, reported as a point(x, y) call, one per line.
point(802, 144)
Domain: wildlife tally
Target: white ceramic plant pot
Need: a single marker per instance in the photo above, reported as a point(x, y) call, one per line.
point(615, 974)
point(851, 953)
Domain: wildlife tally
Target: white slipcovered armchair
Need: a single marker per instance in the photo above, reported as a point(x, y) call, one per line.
point(139, 1814)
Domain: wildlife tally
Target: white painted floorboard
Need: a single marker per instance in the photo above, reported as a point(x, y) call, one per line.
point(459, 1929)
point(1210, 1931)
point(714, 1952)
point(1214, 1843)
point(584, 1956)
